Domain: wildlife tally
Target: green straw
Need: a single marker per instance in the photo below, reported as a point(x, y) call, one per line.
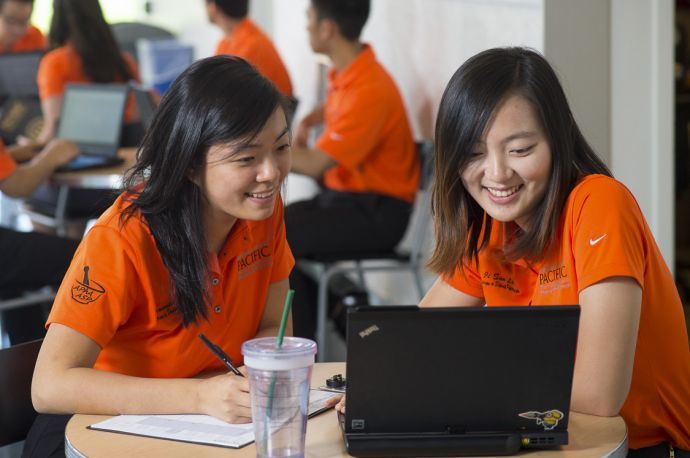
point(279, 344)
point(283, 320)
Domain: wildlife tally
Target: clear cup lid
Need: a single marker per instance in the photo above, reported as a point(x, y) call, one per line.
point(263, 353)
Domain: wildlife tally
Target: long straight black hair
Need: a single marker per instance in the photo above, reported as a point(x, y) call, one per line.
point(468, 104)
point(215, 101)
point(81, 24)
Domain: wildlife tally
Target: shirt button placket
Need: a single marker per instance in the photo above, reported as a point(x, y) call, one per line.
point(215, 282)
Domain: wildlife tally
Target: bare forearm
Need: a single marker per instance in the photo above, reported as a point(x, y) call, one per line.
point(24, 153)
point(310, 162)
point(83, 390)
point(27, 177)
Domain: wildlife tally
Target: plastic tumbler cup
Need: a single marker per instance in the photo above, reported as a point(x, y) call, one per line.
point(279, 380)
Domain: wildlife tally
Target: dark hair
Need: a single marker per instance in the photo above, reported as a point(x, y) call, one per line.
point(237, 9)
point(81, 23)
point(349, 15)
point(468, 104)
point(215, 101)
point(2, 2)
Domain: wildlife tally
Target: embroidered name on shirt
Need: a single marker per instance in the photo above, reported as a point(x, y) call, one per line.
point(87, 290)
point(497, 280)
point(255, 259)
point(165, 311)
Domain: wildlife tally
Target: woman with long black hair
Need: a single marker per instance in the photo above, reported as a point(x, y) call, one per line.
point(196, 244)
point(82, 50)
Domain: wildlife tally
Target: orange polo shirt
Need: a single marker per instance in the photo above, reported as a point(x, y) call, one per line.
point(250, 43)
point(367, 132)
point(7, 164)
point(604, 234)
point(117, 292)
point(33, 40)
point(63, 65)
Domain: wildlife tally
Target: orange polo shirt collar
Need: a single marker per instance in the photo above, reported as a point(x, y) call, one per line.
point(364, 60)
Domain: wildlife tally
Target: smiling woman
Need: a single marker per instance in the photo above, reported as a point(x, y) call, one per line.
point(195, 244)
point(521, 195)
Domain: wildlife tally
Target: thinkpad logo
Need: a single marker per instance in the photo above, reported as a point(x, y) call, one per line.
point(368, 331)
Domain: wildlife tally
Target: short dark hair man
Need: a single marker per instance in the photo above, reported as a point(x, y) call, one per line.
point(365, 157)
point(16, 33)
point(245, 39)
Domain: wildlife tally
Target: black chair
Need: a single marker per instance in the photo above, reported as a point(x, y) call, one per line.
point(16, 410)
point(400, 259)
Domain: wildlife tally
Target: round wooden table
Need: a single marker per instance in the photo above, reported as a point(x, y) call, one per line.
point(590, 436)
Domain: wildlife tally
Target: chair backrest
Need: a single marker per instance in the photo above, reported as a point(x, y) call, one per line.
point(127, 34)
point(420, 220)
point(16, 410)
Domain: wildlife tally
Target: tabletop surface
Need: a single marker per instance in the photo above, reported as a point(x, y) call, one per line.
point(589, 436)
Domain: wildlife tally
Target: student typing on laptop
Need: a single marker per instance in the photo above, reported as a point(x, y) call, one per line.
point(80, 55)
point(538, 220)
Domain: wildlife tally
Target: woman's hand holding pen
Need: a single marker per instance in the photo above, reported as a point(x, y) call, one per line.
point(226, 397)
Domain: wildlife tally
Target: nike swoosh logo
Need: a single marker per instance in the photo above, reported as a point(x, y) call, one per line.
point(593, 242)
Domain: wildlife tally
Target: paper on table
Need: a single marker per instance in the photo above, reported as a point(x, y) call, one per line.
point(198, 429)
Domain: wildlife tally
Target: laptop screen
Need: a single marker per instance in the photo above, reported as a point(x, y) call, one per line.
point(18, 74)
point(92, 114)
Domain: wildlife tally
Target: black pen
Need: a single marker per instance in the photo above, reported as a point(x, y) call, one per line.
point(220, 354)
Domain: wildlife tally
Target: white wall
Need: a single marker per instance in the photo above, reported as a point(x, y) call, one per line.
point(642, 110)
point(576, 43)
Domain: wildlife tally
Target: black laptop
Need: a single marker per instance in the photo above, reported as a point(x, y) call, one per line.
point(458, 381)
point(91, 117)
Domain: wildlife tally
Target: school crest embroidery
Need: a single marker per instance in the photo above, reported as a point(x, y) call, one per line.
point(87, 290)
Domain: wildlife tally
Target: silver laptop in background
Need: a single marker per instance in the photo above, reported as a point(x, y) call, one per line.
point(91, 117)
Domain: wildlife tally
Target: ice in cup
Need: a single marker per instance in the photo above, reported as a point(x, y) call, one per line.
point(279, 380)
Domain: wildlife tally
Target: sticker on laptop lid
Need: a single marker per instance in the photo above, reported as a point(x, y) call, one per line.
point(549, 419)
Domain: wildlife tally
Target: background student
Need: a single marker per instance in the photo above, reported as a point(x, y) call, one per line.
point(29, 261)
point(520, 195)
point(16, 32)
point(83, 50)
point(196, 244)
point(365, 157)
point(245, 39)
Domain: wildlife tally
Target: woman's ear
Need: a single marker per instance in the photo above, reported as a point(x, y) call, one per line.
point(194, 176)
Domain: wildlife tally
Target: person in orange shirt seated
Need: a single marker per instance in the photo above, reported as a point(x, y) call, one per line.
point(520, 195)
point(30, 260)
point(83, 50)
point(245, 39)
point(16, 33)
point(195, 244)
point(365, 158)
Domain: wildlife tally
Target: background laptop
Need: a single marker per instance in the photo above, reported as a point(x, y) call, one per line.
point(91, 117)
point(18, 74)
point(458, 381)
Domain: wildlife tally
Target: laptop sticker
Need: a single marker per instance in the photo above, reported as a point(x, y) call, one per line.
point(549, 419)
